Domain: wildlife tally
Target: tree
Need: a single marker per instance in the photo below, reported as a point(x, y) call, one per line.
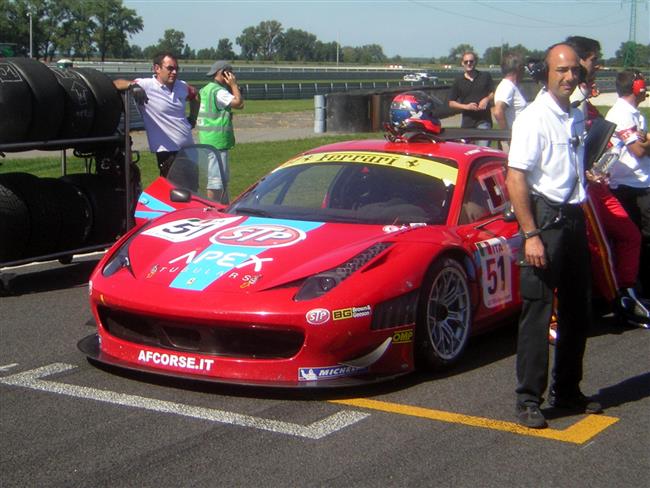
point(206, 53)
point(188, 53)
point(371, 53)
point(261, 42)
point(77, 28)
point(297, 45)
point(173, 41)
point(326, 51)
point(494, 54)
point(249, 43)
point(224, 50)
point(456, 53)
point(270, 36)
point(632, 54)
point(114, 23)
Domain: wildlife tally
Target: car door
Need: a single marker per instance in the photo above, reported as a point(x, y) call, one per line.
point(493, 240)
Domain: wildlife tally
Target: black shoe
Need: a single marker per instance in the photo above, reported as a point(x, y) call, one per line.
point(632, 309)
point(577, 402)
point(531, 416)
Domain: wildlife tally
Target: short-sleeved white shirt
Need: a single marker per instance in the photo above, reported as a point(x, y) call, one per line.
point(164, 115)
point(509, 93)
point(548, 144)
point(224, 97)
point(628, 170)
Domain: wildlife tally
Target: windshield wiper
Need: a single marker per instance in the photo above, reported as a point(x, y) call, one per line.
point(252, 211)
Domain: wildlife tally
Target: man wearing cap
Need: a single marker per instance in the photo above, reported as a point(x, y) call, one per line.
point(161, 100)
point(218, 98)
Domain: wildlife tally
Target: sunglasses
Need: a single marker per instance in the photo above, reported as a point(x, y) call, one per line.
point(171, 68)
point(469, 61)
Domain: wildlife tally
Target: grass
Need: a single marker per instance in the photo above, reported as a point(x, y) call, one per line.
point(248, 161)
point(252, 107)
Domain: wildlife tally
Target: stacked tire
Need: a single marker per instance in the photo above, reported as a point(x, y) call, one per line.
point(42, 216)
point(38, 103)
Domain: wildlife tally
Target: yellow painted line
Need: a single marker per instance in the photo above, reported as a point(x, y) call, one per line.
point(578, 433)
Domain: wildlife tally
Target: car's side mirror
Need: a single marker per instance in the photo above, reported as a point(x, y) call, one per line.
point(509, 213)
point(180, 195)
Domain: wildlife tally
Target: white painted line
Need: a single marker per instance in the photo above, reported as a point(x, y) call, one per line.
point(317, 430)
point(7, 367)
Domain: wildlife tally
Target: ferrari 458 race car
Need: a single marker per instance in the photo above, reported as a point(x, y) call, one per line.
point(350, 263)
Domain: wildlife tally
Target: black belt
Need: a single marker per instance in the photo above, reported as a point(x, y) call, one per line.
point(569, 207)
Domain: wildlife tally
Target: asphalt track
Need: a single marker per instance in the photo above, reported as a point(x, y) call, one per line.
point(67, 422)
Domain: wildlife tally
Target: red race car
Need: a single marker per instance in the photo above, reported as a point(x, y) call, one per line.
point(353, 262)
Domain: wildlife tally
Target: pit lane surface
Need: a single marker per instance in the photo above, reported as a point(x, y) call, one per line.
point(66, 422)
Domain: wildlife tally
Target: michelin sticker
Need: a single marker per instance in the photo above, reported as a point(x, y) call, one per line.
point(328, 372)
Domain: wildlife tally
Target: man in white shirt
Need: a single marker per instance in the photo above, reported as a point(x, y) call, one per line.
point(508, 99)
point(629, 177)
point(546, 187)
point(161, 100)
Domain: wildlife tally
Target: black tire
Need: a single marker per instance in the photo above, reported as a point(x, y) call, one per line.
point(47, 99)
point(79, 104)
point(107, 204)
point(14, 225)
point(44, 220)
point(444, 315)
point(108, 102)
point(73, 212)
point(15, 104)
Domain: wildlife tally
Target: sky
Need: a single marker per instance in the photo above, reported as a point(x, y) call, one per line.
point(409, 28)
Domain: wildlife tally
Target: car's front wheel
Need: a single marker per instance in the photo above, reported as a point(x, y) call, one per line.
point(444, 315)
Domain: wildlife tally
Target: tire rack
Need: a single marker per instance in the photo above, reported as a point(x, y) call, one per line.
point(64, 144)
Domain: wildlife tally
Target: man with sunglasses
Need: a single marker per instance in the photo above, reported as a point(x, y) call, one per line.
point(472, 94)
point(161, 101)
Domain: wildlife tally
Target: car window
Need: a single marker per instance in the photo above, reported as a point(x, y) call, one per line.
point(349, 192)
point(485, 193)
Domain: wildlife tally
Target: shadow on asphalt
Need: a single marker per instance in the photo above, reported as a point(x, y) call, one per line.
point(21, 282)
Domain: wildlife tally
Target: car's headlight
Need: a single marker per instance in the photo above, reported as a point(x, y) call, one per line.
point(319, 284)
point(120, 259)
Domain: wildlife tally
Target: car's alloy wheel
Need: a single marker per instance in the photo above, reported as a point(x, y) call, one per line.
point(445, 315)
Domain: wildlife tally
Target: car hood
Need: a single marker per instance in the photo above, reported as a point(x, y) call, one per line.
point(199, 249)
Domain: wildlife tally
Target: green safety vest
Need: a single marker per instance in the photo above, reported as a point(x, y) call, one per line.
point(214, 124)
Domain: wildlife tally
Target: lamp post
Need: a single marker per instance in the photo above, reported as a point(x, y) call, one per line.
point(31, 55)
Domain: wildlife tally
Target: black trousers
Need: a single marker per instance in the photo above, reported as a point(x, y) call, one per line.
point(636, 202)
point(568, 270)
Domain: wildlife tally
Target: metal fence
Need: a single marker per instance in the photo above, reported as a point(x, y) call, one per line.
point(279, 91)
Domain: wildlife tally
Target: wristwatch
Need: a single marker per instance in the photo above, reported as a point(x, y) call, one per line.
point(532, 233)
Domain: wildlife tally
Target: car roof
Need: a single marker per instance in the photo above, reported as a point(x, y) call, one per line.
point(462, 154)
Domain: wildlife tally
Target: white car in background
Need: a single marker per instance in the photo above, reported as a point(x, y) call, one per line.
point(420, 76)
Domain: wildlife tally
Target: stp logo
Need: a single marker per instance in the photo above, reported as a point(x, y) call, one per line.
point(317, 316)
point(262, 235)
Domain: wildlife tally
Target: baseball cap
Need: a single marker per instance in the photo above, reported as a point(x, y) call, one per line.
point(218, 66)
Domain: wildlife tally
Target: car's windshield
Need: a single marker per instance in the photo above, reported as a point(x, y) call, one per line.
point(331, 189)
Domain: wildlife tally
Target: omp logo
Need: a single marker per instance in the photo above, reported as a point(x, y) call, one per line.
point(317, 316)
point(403, 336)
point(261, 235)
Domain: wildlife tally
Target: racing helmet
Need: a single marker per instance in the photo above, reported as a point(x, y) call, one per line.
point(412, 111)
